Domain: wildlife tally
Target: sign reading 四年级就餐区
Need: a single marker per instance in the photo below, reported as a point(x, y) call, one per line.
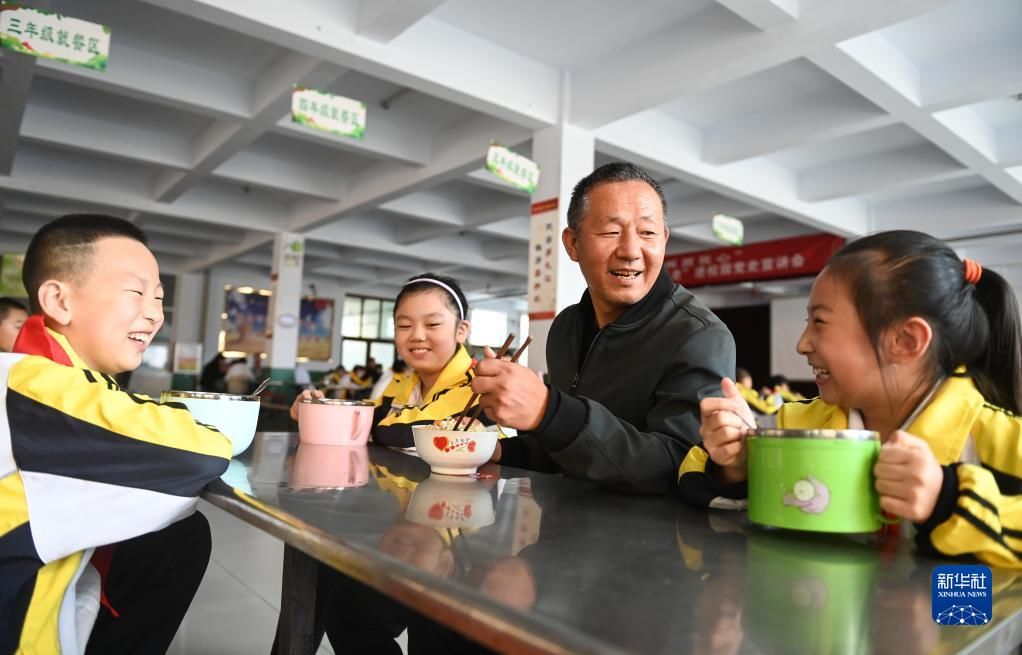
point(513, 168)
point(328, 112)
point(767, 260)
point(54, 36)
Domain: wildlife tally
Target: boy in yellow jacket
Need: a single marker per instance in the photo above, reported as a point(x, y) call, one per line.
point(84, 465)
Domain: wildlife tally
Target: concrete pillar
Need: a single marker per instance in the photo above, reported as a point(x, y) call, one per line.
point(285, 303)
point(565, 155)
point(186, 325)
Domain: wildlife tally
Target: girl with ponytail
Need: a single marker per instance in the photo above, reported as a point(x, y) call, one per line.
point(925, 348)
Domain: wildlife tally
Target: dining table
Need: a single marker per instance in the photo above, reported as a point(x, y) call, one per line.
point(516, 561)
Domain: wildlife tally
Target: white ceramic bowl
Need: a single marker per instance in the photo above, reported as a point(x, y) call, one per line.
point(454, 452)
point(448, 502)
point(235, 416)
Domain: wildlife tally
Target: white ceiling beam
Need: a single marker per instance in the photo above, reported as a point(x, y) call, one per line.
point(95, 135)
point(857, 63)
point(383, 139)
point(461, 149)
point(719, 48)
point(258, 169)
point(458, 151)
point(661, 143)
point(764, 14)
point(487, 180)
point(271, 98)
point(187, 229)
point(428, 206)
point(952, 81)
point(384, 20)
point(207, 207)
point(504, 250)
point(911, 166)
point(703, 205)
point(470, 220)
point(16, 72)
point(432, 57)
point(195, 89)
point(830, 114)
point(951, 215)
point(1009, 146)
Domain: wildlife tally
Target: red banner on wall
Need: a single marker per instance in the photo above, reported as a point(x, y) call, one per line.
point(767, 260)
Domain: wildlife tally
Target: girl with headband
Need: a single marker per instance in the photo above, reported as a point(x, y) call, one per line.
point(430, 329)
point(906, 339)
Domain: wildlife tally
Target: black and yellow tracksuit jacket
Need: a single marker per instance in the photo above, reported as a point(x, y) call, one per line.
point(979, 446)
point(758, 403)
point(395, 413)
point(82, 465)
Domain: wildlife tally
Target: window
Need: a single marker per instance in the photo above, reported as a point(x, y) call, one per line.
point(367, 328)
point(489, 328)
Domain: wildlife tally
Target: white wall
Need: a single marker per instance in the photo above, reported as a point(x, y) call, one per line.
point(787, 321)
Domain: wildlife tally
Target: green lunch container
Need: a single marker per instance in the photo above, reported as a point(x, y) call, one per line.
point(809, 594)
point(817, 480)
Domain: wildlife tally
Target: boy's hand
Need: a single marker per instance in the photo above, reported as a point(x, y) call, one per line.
point(725, 424)
point(510, 394)
point(307, 394)
point(908, 477)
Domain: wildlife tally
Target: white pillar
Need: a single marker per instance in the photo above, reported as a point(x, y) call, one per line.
point(565, 155)
point(186, 321)
point(285, 303)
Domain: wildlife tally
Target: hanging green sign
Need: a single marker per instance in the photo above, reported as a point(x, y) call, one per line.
point(728, 229)
point(54, 36)
point(10, 276)
point(513, 168)
point(327, 112)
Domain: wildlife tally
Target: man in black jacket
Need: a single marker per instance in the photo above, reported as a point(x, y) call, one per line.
point(628, 364)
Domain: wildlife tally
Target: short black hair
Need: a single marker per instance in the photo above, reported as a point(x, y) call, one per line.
point(7, 304)
point(776, 381)
point(618, 171)
point(420, 283)
point(62, 248)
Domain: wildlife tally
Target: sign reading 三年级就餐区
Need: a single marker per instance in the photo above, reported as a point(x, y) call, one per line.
point(767, 260)
point(54, 36)
point(328, 112)
point(513, 168)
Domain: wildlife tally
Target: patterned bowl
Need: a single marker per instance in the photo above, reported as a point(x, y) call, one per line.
point(447, 502)
point(454, 452)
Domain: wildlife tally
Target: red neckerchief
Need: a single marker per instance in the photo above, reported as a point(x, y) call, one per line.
point(35, 339)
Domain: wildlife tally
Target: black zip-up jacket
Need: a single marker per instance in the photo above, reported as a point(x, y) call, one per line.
point(624, 401)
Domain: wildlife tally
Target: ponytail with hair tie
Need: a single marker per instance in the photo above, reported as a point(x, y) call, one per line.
point(972, 270)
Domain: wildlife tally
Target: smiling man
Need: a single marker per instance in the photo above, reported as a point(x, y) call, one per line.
point(628, 364)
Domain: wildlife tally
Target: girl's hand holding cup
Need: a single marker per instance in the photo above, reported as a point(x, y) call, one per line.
point(725, 424)
point(908, 477)
point(305, 395)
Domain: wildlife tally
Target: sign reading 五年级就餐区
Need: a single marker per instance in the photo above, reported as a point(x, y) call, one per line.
point(54, 36)
point(767, 260)
point(513, 168)
point(328, 112)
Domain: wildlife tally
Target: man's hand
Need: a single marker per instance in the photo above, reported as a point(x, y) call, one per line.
point(510, 394)
point(307, 394)
point(725, 424)
point(908, 477)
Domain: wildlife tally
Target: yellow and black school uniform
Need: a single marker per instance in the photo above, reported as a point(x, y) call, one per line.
point(82, 465)
point(758, 403)
point(979, 446)
point(402, 405)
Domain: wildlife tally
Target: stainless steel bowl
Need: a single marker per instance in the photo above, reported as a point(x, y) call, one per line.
point(205, 395)
point(337, 401)
point(851, 435)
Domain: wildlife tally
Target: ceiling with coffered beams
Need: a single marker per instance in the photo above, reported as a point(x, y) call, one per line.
point(796, 116)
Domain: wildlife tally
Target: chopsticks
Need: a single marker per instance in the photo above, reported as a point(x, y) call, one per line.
point(479, 408)
point(500, 355)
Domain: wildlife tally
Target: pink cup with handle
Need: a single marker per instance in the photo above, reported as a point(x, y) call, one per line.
point(332, 422)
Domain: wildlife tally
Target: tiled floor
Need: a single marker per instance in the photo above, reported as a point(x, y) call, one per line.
point(235, 610)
